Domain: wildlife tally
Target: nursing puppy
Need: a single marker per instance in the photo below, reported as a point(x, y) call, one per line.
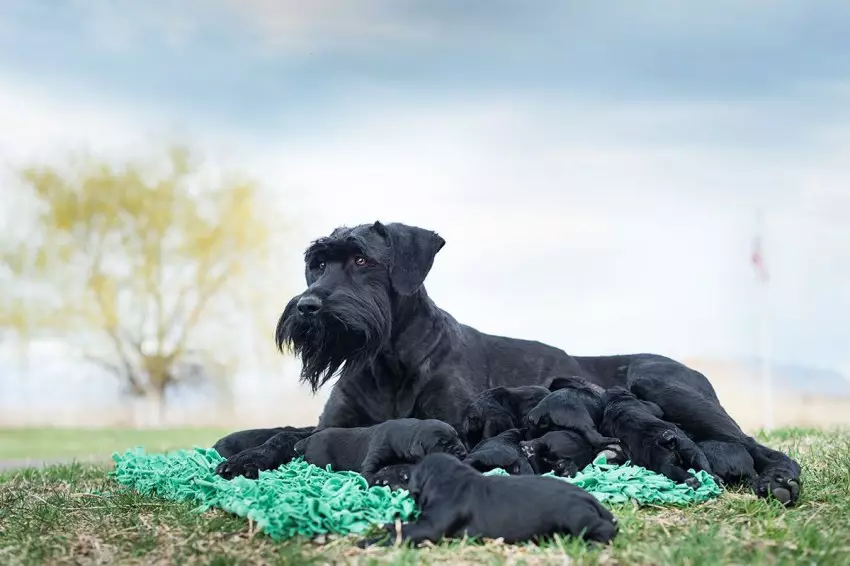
point(650, 441)
point(368, 449)
point(496, 410)
point(456, 500)
point(501, 451)
point(565, 452)
point(394, 476)
point(251, 451)
point(576, 404)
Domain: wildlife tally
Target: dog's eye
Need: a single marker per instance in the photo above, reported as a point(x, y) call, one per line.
point(320, 266)
point(359, 261)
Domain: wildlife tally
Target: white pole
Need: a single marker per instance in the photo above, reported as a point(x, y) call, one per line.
point(764, 333)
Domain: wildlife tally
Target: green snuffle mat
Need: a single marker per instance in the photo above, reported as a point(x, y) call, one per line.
point(302, 499)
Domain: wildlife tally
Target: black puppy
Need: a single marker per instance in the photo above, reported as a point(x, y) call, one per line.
point(501, 451)
point(576, 404)
point(456, 500)
point(394, 476)
point(368, 449)
point(496, 410)
point(276, 450)
point(565, 452)
point(651, 442)
point(730, 462)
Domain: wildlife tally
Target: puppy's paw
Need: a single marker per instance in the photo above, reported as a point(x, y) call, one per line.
point(565, 468)
point(780, 484)
point(614, 455)
point(693, 483)
point(668, 439)
point(248, 463)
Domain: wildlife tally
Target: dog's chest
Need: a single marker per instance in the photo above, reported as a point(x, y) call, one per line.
point(389, 395)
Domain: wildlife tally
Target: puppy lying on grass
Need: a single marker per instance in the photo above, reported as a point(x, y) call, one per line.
point(456, 500)
point(501, 451)
point(368, 449)
point(650, 441)
point(498, 409)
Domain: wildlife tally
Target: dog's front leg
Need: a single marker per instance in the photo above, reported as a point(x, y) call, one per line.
point(273, 453)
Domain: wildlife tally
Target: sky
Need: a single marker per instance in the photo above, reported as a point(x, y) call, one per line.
point(596, 169)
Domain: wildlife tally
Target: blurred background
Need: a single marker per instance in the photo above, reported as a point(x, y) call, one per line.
point(633, 177)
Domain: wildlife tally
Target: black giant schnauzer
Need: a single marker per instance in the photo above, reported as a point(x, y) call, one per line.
point(366, 317)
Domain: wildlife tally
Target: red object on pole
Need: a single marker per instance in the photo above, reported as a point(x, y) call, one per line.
point(757, 258)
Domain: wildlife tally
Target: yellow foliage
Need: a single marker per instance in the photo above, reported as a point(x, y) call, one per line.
point(140, 255)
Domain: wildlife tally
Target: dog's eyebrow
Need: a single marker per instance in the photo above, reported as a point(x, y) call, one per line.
point(334, 248)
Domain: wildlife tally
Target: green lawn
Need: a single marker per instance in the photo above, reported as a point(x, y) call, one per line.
point(59, 443)
point(60, 515)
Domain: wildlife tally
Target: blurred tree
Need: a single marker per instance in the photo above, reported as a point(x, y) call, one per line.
point(145, 267)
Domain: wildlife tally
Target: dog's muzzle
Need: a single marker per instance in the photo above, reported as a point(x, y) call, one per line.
point(309, 305)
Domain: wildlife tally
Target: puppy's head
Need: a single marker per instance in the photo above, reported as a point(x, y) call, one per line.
point(432, 436)
point(487, 415)
point(435, 472)
point(539, 419)
point(562, 451)
point(354, 276)
point(396, 476)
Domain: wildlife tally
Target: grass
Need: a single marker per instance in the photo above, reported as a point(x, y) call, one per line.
point(75, 514)
point(57, 443)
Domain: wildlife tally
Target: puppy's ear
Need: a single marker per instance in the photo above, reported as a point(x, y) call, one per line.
point(412, 254)
point(654, 409)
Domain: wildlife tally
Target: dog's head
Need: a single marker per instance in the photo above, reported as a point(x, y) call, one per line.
point(486, 416)
point(436, 437)
point(563, 452)
point(356, 279)
point(434, 473)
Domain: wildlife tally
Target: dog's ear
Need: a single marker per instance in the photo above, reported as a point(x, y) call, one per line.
point(412, 254)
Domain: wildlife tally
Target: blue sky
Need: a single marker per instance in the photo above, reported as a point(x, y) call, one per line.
point(596, 168)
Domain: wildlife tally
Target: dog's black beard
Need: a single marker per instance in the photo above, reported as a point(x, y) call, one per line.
point(346, 335)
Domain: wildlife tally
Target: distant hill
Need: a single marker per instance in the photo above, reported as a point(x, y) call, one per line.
point(794, 378)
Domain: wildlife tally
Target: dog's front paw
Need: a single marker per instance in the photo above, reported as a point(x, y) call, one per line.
point(248, 463)
point(693, 483)
point(779, 483)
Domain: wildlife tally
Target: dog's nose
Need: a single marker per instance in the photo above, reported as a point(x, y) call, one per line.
point(309, 305)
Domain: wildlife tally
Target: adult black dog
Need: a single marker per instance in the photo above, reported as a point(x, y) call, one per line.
point(366, 316)
point(496, 410)
point(500, 451)
point(456, 500)
point(368, 449)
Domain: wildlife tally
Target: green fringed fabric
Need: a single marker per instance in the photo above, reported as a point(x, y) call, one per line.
point(302, 499)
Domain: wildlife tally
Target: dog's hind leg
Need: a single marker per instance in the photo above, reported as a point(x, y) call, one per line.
point(703, 418)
